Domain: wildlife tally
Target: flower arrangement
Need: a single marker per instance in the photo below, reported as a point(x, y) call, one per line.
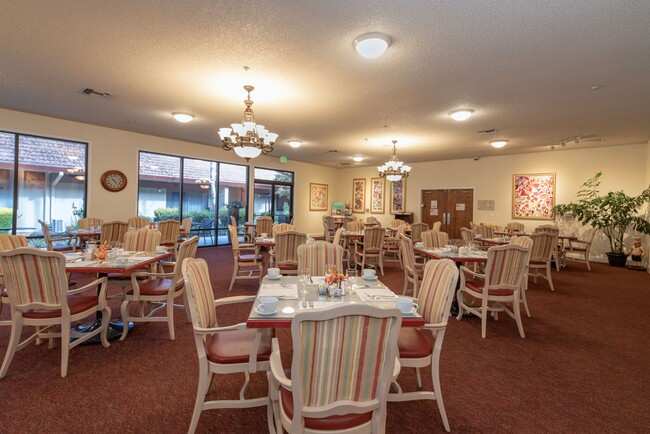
point(334, 279)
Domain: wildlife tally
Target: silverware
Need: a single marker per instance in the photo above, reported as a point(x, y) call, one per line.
point(382, 297)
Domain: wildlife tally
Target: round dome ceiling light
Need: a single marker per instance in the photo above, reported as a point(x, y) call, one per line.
point(371, 45)
point(183, 117)
point(358, 158)
point(461, 114)
point(295, 143)
point(498, 143)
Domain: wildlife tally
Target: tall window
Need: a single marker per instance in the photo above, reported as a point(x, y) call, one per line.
point(274, 194)
point(207, 191)
point(41, 179)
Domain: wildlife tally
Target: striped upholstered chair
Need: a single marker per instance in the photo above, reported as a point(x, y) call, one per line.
point(434, 239)
point(544, 244)
point(57, 243)
point(515, 227)
point(557, 251)
point(320, 394)
point(228, 349)
point(89, 222)
point(245, 266)
point(372, 248)
point(142, 240)
point(501, 284)
point(8, 242)
point(317, 255)
point(138, 222)
point(159, 290)
point(169, 230)
point(38, 296)
point(113, 231)
point(416, 231)
point(415, 350)
point(264, 225)
point(285, 252)
point(278, 228)
point(527, 243)
point(412, 270)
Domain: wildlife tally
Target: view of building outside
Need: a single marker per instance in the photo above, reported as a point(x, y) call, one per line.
point(273, 194)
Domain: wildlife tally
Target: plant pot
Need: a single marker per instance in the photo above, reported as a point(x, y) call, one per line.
point(616, 259)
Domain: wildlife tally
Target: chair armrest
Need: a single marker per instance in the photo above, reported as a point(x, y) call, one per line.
point(584, 244)
point(149, 274)
point(234, 299)
point(397, 368)
point(103, 286)
point(213, 330)
point(468, 271)
point(276, 366)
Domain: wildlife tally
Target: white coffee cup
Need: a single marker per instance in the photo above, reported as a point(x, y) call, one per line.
point(122, 261)
point(369, 273)
point(161, 249)
point(268, 304)
point(406, 305)
point(273, 273)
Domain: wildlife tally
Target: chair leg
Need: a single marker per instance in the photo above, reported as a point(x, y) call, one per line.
point(14, 340)
point(517, 313)
point(170, 318)
point(124, 310)
point(235, 271)
point(200, 395)
point(523, 299)
point(484, 315)
point(459, 300)
point(437, 390)
point(106, 319)
point(65, 348)
point(549, 277)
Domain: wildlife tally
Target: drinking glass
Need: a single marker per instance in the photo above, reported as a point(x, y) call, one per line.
point(304, 276)
point(351, 277)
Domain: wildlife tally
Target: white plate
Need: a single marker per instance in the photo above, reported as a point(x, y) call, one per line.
point(274, 278)
point(413, 310)
point(369, 278)
point(259, 312)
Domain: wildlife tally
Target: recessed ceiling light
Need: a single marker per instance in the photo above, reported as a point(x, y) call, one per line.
point(183, 117)
point(295, 143)
point(358, 158)
point(371, 45)
point(461, 114)
point(498, 143)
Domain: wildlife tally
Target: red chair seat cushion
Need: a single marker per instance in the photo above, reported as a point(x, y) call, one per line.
point(235, 346)
point(288, 266)
point(332, 423)
point(76, 303)
point(534, 262)
point(155, 287)
point(250, 258)
point(477, 287)
point(413, 344)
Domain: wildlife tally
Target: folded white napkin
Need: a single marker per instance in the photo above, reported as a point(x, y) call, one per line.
point(288, 291)
point(84, 264)
point(375, 294)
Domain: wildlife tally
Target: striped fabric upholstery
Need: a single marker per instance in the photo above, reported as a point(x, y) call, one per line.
point(197, 283)
point(353, 226)
point(515, 226)
point(434, 239)
point(416, 231)
point(113, 231)
point(396, 223)
point(286, 248)
point(548, 228)
point(138, 222)
point(282, 227)
point(543, 245)
point(438, 282)
point(373, 239)
point(186, 224)
point(315, 256)
point(485, 231)
point(408, 257)
point(341, 358)
point(505, 265)
point(525, 242)
point(89, 222)
point(436, 226)
point(40, 279)
point(264, 225)
point(169, 231)
point(142, 240)
point(467, 235)
point(10, 242)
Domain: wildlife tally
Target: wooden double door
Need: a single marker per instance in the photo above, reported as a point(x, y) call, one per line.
point(454, 208)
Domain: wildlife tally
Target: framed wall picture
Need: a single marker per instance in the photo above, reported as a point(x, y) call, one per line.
point(533, 196)
point(359, 195)
point(398, 197)
point(377, 189)
point(317, 197)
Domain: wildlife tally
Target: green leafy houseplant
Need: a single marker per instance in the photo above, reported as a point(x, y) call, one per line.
point(614, 213)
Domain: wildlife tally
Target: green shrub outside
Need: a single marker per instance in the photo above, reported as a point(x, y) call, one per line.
point(198, 216)
point(6, 215)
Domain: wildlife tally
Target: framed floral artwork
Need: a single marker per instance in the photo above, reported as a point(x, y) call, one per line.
point(377, 189)
point(359, 195)
point(317, 197)
point(533, 196)
point(398, 197)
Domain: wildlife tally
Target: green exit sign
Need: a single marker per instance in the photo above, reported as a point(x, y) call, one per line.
point(283, 159)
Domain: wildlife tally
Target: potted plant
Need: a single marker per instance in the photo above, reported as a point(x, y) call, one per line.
point(614, 214)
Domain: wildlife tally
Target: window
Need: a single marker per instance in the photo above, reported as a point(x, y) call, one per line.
point(41, 179)
point(274, 194)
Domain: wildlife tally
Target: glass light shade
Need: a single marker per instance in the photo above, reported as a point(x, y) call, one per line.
point(461, 115)
point(295, 143)
point(224, 132)
point(183, 117)
point(358, 158)
point(249, 126)
point(371, 45)
point(406, 169)
point(247, 151)
point(498, 143)
point(382, 168)
point(272, 137)
point(394, 178)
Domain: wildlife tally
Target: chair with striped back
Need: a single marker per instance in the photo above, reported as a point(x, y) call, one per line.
point(416, 231)
point(485, 231)
point(339, 378)
point(434, 239)
point(142, 240)
point(159, 290)
point(436, 226)
point(89, 222)
point(57, 243)
point(415, 350)
point(138, 222)
point(329, 227)
point(317, 255)
point(37, 287)
point(392, 248)
point(372, 248)
point(8, 242)
point(557, 251)
point(412, 270)
point(501, 284)
point(169, 230)
point(527, 243)
point(515, 227)
point(544, 243)
point(281, 227)
point(186, 228)
point(353, 226)
point(241, 230)
point(245, 266)
point(113, 231)
point(397, 222)
point(224, 350)
point(340, 240)
point(581, 247)
point(286, 251)
point(264, 225)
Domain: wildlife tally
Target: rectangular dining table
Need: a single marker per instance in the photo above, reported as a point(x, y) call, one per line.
point(288, 306)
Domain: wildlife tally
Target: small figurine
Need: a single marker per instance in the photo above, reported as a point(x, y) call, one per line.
point(637, 252)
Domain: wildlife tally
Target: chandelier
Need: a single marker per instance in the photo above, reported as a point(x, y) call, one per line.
point(204, 183)
point(247, 139)
point(394, 170)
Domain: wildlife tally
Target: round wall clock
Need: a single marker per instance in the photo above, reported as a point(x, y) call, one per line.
point(113, 180)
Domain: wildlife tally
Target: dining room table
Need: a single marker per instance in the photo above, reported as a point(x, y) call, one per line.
point(77, 262)
point(294, 295)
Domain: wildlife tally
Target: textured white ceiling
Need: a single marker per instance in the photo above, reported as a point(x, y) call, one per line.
point(525, 67)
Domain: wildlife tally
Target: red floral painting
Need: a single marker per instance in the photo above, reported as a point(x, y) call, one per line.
point(359, 195)
point(398, 197)
point(533, 196)
point(377, 186)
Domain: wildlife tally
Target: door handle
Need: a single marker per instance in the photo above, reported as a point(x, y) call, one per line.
point(448, 218)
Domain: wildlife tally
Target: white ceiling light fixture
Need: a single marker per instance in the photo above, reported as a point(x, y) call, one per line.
point(461, 114)
point(358, 158)
point(295, 143)
point(498, 143)
point(183, 117)
point(394, 170)
point(203, 183)
point(371, 45)
point(248, 139)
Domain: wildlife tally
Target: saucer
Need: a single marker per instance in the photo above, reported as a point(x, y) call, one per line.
point(274, 278)
point(370, 278)
point(413, 310)
point(259, 312)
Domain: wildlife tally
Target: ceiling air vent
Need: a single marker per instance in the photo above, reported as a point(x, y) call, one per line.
point(491, 130)
point(90, 92)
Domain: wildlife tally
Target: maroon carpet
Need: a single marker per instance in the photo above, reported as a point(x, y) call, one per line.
point(583, 367)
